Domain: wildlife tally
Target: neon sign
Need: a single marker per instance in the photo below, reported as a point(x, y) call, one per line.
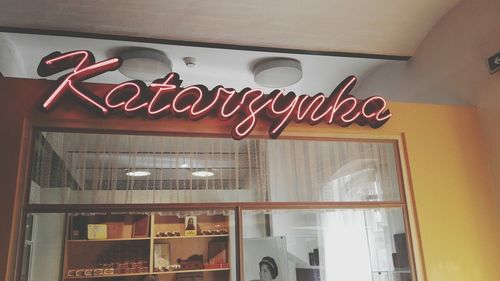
point(167, 96)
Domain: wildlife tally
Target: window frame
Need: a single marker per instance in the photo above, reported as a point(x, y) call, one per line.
point(406, 201)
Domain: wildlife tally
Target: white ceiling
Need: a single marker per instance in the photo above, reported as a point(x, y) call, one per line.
point(386, 27)
point(21, 53)
point(391, 27)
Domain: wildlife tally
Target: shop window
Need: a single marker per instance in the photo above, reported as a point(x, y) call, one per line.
point(285, 210)
point(77, 168)
point(173, 245)
point(313, 245)
point(74, 168)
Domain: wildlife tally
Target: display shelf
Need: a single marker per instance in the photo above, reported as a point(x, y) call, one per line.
point(108, 227)
point(194, 236)
point(121, 244)
point(108, 240)
point(106, 276)
point(193, 270)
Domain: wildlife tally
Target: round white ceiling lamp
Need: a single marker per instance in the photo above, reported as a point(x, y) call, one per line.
point(144, 64)
point(138, 173)
point(278, 72)
point(203, 173)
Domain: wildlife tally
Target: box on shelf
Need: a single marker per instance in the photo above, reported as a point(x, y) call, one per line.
point(217, 266)
point(161, 257)
point(140, 227)
point(115, 230)
point(217, 252)
point(97, 231)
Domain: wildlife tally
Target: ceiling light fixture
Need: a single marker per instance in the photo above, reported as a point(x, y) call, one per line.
point(277, 72)
point(138, 173)
point(144, 64)
point(184, 165)
point(203, 174)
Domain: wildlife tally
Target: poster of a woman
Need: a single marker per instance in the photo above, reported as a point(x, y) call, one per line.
point(190, 226)
point(268, 269)
point(265, 259)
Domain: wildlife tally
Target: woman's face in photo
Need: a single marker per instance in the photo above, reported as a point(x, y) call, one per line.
point(265, 273)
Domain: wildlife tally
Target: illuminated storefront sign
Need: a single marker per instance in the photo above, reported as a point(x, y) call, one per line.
point(166, 96)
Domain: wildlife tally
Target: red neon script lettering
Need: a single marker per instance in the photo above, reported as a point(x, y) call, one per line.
point(166, 96)
point(85, 68)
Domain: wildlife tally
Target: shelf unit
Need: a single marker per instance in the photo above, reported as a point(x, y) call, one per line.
point(130, 241)
point(107, 240)
point(197, 236)
point(195, 270)
point(104, 276)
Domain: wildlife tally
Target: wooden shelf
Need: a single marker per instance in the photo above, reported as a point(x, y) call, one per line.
point(188, 271)
point(85, 253)
point(194, 236)
point(107, 276)
point(105, 240)
point(146, 273)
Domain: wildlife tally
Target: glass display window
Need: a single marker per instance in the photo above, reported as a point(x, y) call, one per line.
point(133, 207)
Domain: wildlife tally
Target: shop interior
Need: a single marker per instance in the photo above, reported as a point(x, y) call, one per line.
point(289, 243)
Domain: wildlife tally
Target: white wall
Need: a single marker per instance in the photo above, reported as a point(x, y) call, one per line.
point(301, 231)
point(10, 60)
point(450, 66)
point(254, 225)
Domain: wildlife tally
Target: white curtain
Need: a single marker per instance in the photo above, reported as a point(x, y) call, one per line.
point(92, 168)
point(332, 171)
point(81, 168)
